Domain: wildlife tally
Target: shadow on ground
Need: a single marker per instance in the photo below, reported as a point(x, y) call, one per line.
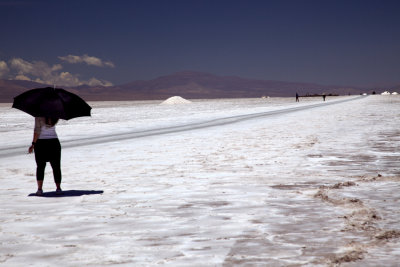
point(69, 193)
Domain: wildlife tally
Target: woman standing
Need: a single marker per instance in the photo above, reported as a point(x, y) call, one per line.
point(47, 149)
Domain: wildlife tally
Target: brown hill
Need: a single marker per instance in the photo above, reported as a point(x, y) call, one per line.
point(203, 85)
point(192, 85)
point(11, 88)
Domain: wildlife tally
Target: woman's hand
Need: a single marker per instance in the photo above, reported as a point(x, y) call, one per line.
point(30, 150)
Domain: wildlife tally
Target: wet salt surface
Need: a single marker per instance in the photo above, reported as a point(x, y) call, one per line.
point(295, 189)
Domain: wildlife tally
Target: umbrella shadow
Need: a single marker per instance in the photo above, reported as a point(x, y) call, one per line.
point(69, 193)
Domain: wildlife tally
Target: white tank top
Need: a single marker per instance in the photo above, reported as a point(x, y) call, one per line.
point(45, 131)
point(48, 132)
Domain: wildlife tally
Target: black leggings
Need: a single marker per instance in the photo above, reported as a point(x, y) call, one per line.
point(48, 150)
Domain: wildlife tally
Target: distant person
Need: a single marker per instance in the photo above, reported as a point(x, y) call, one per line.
point(297, 97)
point(323, 96)
point(47, 149)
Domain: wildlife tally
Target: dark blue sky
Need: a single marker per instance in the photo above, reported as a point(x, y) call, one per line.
point(114, 41)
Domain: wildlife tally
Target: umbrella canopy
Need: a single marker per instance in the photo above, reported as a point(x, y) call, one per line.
point(51, 102)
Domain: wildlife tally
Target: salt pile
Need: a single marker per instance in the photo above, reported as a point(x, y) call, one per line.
point(175, 100)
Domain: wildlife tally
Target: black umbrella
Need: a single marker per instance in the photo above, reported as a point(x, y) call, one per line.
point(52, 102)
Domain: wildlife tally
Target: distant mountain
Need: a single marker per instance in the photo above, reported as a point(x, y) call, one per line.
point(204, 85)
point(11, 88)
point(188, 84)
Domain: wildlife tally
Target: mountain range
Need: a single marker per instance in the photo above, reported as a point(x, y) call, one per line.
point(187, 84)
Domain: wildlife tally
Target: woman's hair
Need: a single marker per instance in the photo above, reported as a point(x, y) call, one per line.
point(51, 121)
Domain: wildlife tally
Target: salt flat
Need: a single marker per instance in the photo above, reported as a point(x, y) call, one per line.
point(311, 187)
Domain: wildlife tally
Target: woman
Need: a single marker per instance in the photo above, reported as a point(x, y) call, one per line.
point(47, 149)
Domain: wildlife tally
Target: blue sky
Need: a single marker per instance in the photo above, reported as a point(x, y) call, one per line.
point(353, 42)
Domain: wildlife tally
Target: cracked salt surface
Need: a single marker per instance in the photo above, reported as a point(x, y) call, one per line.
point(311, 187)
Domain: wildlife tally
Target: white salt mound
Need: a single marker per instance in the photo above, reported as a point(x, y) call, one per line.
point(175, 100)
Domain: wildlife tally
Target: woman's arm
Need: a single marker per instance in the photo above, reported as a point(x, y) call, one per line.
point(35, 138)
point(36, 133)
